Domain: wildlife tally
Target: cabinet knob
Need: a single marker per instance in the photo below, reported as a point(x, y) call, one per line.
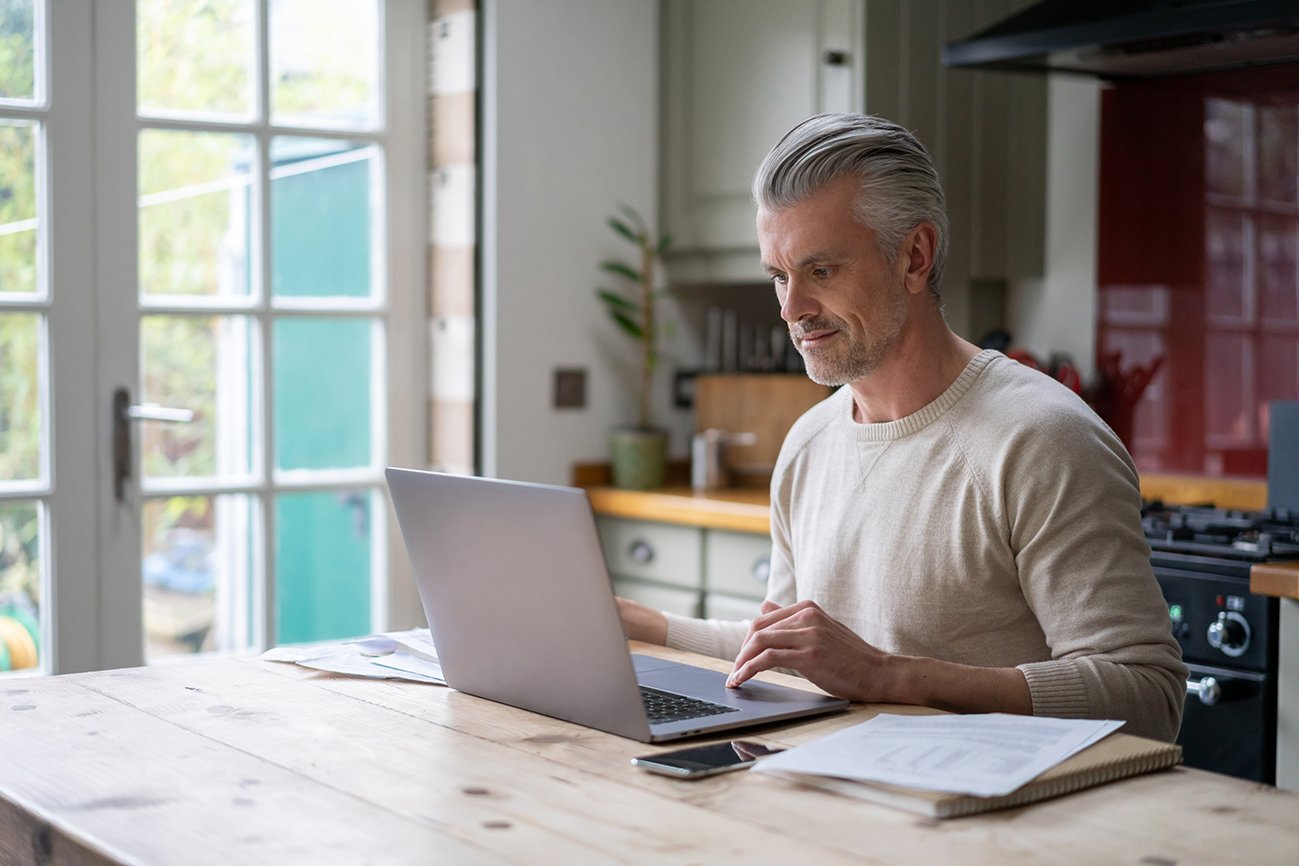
point(834, 57)
point(640, 551)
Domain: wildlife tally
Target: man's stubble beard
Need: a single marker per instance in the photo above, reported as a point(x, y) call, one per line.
point(856, 357)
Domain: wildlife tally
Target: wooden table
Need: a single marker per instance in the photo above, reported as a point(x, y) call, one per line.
point(240, 762)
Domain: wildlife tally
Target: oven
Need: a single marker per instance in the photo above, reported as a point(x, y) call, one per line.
point(1229, 637)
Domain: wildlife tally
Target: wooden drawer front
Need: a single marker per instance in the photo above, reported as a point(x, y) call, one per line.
point(679, 601)
point(653, 551)
point(718, 606)
point(738, 563)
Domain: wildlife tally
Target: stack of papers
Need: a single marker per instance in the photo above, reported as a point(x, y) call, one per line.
point(948, 766)
point(403, 655)
point(985, 755)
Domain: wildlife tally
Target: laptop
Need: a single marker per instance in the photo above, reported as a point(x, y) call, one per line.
point(513, 582)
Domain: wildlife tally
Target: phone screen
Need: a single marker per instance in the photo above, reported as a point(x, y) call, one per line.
point(705, 760)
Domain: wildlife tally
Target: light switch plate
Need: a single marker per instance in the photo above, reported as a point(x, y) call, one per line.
point(570, 388)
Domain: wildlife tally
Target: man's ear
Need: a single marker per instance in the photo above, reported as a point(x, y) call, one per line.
point(917, 255)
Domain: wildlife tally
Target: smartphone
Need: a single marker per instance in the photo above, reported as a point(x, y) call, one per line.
point(699, 761)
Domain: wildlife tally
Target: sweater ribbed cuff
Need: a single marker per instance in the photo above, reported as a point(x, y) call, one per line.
point(692, 635)
point(1057, 688)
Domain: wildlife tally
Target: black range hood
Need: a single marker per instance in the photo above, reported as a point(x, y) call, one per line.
point(1124, 39)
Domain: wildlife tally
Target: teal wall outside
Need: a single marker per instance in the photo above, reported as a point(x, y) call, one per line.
point(321, 375)
point(322, 565)
point(320, 222)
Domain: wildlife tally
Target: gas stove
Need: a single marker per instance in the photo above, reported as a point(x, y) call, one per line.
point(1202, 557)
point(1251, 536)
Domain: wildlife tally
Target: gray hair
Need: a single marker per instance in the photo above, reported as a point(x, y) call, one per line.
point(899, 185)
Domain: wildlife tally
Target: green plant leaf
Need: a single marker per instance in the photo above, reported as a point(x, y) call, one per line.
point(664, 242)
point(622, 270)
point(623, 229)
point(628, 324)
point(613, 299)
point(634, 217)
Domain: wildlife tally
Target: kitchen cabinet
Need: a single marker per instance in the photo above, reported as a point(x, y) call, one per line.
point(688, 570)
point(738, 74)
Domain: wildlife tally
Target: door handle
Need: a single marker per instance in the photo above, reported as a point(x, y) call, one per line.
point(123, 414)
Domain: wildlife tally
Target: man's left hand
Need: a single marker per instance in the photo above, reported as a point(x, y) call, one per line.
point(804, 638)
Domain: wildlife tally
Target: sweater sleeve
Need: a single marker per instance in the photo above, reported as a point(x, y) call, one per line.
point(718, 638)
point(723, 638)
point(1073, 512)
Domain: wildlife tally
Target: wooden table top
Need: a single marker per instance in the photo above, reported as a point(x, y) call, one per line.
point(245, 761)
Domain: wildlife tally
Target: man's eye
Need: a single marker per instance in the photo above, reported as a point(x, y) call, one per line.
point(778, 279)
point(820, 273)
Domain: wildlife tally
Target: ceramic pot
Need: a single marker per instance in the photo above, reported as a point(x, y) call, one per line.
point(638, 457)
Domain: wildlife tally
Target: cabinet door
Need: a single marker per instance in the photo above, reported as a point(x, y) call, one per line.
point(718, 606)
point(738, 75)
point(682, 602)
point(652, 551)
point(738, 564)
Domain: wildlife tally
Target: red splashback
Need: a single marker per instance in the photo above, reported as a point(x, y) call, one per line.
point(1198, 266)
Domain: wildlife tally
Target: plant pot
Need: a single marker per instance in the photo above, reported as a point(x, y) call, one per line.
point(638, 457)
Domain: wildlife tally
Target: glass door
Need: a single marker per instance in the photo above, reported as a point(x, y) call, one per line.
point(252, 245)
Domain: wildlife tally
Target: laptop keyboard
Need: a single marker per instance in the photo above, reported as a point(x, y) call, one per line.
point(667, 707)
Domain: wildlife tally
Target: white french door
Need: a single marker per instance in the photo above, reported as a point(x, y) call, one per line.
point(220, 324)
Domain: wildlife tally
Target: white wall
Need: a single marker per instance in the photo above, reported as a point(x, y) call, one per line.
point(570, 132)
point(1057, 313)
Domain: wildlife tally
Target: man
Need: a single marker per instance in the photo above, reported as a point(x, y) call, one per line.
point(951, 528)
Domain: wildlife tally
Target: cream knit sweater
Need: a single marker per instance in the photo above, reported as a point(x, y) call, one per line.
point(997, 526)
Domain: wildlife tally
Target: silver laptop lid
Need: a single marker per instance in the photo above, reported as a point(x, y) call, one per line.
point(513, 582)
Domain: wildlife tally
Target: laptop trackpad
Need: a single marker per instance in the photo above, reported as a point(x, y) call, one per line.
point(708, 684)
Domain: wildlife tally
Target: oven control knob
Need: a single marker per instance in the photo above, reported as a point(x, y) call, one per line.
point(1229, 633)
point(1207, 690)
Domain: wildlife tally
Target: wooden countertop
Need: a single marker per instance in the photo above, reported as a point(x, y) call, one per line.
point(749, 510)
point(1275, 578)
point(739, 510)
point(245, 761)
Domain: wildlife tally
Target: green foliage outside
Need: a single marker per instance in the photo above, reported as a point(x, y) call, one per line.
point(20, 420)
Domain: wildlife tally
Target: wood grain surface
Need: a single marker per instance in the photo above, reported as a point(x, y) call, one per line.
point(244, 761)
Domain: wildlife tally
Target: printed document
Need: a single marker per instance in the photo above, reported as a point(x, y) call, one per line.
point(986, 755)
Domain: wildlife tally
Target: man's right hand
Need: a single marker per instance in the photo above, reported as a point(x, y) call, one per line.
point(642, 623)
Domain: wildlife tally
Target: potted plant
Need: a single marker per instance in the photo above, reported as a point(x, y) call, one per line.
point(638, 453)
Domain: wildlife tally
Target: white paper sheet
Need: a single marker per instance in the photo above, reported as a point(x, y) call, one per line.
point(406, 655)
point(986, 755)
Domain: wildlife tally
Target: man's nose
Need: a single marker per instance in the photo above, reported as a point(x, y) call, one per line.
point(798, 303)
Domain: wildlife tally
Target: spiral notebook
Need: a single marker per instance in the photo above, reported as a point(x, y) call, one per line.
point(1117, 756)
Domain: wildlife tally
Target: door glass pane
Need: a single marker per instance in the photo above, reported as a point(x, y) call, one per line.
point(1228, 401)
point(323, 563)
point(1225, 249)
point(323, 391)
point(324, 63)
point(1227, 140)
point(206, 364)
point(321, 222)
point(20, 585)
point(17, 54)
point(18, 205)
point(195, 57)
point(21, 378)
point(195, 213)
point(198, 567)
point(1278, 159)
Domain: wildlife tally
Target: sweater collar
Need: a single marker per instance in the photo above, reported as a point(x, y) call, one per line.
point(886, 431)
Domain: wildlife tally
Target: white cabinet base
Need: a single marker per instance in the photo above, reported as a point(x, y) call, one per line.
point(1287, 711)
